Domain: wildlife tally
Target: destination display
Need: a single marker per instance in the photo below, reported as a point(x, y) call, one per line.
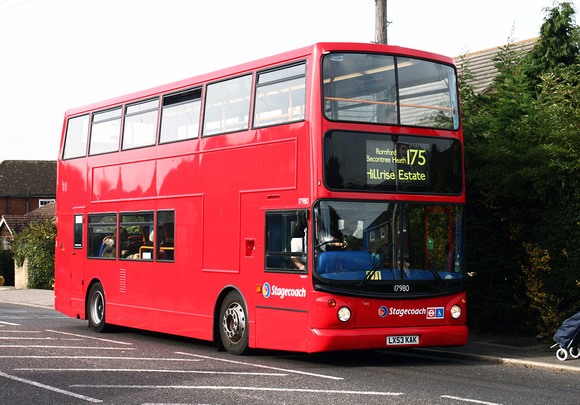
point(397, 162)
point(392, 163)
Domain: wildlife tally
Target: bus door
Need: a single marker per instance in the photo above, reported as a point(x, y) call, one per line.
point(251, 256)
point(281, 305)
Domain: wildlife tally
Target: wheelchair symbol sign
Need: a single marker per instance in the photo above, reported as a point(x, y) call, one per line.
point(435, 313)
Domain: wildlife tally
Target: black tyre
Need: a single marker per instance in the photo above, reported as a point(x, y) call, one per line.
point(233, 324)
point(96, 308)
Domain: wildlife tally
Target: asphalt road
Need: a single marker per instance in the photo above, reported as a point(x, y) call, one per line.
point(48, 358)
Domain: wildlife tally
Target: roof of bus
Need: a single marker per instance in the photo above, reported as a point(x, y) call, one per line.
point(317, 48)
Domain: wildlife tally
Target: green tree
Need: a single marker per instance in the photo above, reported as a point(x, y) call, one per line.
point(554, 254)
point(558, 46)
point(36, 243)
point(522, 146)
point(493, 124)
point(7, 267)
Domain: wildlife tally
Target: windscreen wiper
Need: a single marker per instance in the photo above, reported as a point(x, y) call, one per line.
point(429, 266)
point(376, 266)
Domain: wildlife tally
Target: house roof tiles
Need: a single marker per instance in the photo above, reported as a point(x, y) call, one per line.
point(481, 64)
point(22, 178)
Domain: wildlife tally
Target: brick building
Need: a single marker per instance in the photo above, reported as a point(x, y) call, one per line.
point(26, 185)
point(11, 224)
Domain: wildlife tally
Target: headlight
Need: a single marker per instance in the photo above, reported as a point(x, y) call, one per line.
point(455, 311)
point(344, 314)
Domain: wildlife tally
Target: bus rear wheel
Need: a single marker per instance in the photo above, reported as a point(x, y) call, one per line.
point(234, 324)
point(96, 308)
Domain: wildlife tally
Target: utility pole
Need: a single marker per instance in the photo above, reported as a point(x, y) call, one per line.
point(381, 22)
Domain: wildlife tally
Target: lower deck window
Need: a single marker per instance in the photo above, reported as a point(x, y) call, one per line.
point(78, 231)
point(136, 236)
point(165, 235)
point(286, 241)
point(144, 236)
point(102, 235)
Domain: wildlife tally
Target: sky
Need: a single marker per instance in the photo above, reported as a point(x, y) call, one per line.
point(60, 54)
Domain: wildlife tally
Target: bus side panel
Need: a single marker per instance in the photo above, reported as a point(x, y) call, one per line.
point(70, 259)
point(282, 329)
point(69, 270)
point(162, 296)
point(227, 173)
point(63, 270)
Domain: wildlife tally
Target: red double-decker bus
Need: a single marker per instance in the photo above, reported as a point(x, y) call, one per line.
point(309, 201)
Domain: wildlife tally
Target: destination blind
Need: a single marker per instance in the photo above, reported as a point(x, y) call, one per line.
point(392, 163)
point(397, 162)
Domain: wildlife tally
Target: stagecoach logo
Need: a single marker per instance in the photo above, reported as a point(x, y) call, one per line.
point(431, 312)
point(383, 311)
point(268, 291)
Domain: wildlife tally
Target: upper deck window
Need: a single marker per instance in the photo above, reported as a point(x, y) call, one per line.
point(105, 132)
point(180, 116)
point(140, 124)
point(227, 106)
point(77, 131)
point(384, 89)
point(280, 96)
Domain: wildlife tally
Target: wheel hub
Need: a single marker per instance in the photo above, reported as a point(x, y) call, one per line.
point(234, 322)
point(97, 308)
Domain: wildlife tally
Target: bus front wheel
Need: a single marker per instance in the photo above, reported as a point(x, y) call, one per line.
point(96, 308)
point(234, 324)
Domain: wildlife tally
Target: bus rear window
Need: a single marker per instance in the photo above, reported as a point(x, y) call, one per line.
point(77, 131)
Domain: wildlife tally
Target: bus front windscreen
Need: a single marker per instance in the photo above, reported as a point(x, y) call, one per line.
point(387, 89)
point(378, 247)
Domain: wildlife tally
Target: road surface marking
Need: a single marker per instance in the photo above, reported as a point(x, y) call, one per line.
point(131, 370)
point(91, 337)
point(48, 387)
point(473, 401)
point(261, 366)
point(205, 387)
